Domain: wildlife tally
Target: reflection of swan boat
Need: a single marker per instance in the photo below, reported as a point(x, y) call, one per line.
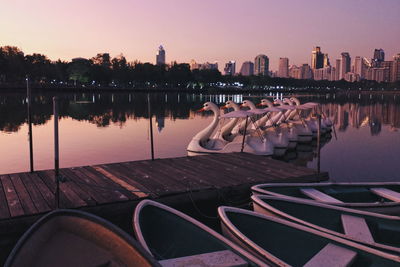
point(203, 142)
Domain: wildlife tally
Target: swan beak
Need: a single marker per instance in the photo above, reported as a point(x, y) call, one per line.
point(241, 105)
point(224, 107)
point(200, 110)
point(259, 104)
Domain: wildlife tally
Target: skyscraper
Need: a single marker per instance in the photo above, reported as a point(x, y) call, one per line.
point(338, 69)
point(326, 61)
point(230, 68)
point(160, 58)
point(283, 71)
point(396, 68)
point(317, 58)
point(358, 65)
point(261, 65)
point(345, 64)
point(247, 68)
point(379, 56)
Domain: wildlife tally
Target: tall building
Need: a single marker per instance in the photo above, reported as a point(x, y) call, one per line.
point(306, 72)
point(302, 72)
point(283, 71)
point(230, 68)
point(317, 58)
point(387, 65)
point(160, 58)
point(294, 72)
point(338, 69)
point(358, 66)
point(379, 56)
point(261, 65)
point(326, 61)
point(345, 64)
point(395, 75)
point(247, 68)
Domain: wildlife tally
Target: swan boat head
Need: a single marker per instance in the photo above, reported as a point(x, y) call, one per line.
point(248, 104)
point(266, 102)
point(295, 100)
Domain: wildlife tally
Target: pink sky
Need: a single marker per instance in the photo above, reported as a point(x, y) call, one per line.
point(206, 30)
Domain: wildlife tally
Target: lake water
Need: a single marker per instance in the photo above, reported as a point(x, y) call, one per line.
point(100, 128)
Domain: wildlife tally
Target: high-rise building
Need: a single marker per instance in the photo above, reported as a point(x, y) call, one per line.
point(333, 74)
point(294, 72)
point(283, 71)
point(326, 61)
point(247, 68)
point(387, 74)
point(230, 68)
point(358, 66)
point(338, 69)
point(160, 58)
point(306, 72)
point(317, 58)
point(395, 75)
point(261, 65)
point(345, 64)
point(379, 56)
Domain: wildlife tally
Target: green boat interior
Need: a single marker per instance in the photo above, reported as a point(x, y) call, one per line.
point(170, 236)
point(344, 193)
point(384, 231)
point(293, 246)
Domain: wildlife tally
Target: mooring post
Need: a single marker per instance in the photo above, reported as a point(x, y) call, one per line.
point(151, 126)
point(29, 101)
point(244, 134)
point(319, 144)
point(56, 152)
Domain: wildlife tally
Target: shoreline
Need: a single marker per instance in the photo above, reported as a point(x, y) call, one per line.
point(208, 90)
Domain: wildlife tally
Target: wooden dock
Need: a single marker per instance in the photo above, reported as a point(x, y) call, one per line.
point(110, 190)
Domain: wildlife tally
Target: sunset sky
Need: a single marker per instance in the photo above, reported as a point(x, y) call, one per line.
point(204, 30)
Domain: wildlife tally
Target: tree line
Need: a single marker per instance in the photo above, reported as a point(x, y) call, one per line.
point(103, 70)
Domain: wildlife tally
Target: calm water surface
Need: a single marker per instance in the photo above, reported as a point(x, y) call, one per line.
point(104, 128)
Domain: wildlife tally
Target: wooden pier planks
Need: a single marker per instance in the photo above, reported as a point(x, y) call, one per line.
point(24, 194)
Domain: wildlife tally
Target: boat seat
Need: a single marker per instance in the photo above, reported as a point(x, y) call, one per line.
point(386, 193)
point(332, 255)
point(319, 196)
point(357, 228)
point(218, 258)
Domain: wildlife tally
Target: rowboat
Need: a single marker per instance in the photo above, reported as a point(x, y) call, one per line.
point(374, 197)
point(285, 243)
point(76, 238)
point(373, 229)
point(176, 239)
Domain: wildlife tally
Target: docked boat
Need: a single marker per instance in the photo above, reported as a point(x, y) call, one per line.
point(374, 197)
point(76, 238)
point(285, 243)
point(206, 142)
point(373, 229)
point(176, 239)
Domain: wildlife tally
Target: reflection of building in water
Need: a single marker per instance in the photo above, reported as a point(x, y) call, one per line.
point(342, 118)
point(374, 115)
point(160, 120)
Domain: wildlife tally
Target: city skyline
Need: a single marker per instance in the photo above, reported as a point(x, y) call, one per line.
point(137, 29)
